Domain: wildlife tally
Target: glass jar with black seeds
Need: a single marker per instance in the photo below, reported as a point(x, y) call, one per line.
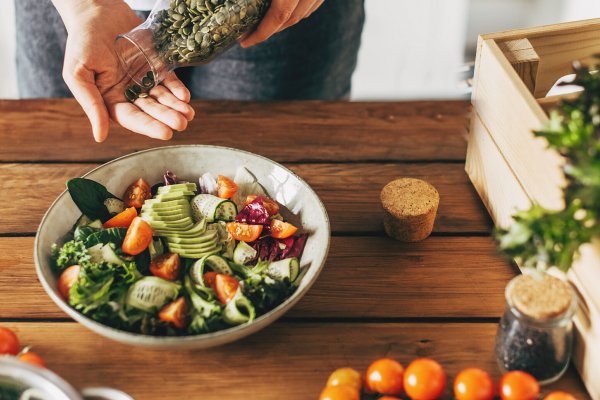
point(181, 33)
point(535, 333)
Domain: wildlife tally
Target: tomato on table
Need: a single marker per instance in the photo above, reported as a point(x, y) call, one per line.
point(341, 392)
point(122, 219)
point(473, 384)
point(67, 279)
point(226, 287)
point(33, 358)
point(384, 376)
point(175, 313)
point(137, 193)
point(345, 376)
point(226, 188)
point(244, 232)
point(282, 230)
point(558, 395)
point(138, 237)
point(166, 266)
point(424, 379)
point(270, 205)
point(9, 342)
point(518, 385)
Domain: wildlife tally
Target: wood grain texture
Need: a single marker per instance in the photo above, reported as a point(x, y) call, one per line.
point(286, 360)
point(365, 277)
point(350, 193)
point(58, 130)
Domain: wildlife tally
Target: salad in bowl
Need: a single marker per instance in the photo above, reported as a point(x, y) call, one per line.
point(189, 256)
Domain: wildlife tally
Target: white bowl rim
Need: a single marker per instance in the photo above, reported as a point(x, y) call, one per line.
point(144, 339)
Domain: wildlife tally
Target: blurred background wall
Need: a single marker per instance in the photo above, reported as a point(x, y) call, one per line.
point(410, 48)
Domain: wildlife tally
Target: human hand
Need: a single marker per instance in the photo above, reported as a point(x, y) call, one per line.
point(281, 15)
point(93, 74)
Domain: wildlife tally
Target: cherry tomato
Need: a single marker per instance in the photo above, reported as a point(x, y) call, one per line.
point(122, 219)
point(473, 384)
point(226, 188)
point(388, 398)
point(166, 266)
point(424, 379)
point(559, 396)
point(270, 205)
point(33, 358)
point(244, 232)
point(209, 279)
point(385, 376)
point(226, 287)
point(345, 376)
point(282, 230)
point(138, 237)
point(136, 193)
point(342, 392)
point(67, 279)
point(175, 313)
point(518, 385)
point(9, 342)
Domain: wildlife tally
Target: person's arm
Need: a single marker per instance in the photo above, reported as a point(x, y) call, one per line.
point(92, 72)
point(281, 15)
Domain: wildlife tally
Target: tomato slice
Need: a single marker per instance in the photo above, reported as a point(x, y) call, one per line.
point(33, 358)
point(67, 280)
point(175, 313)
point(226, 188)
point(244, 232)
point(122, 219)
point(226, 287)
point(209, 279)
point(138, 237)
point(270, 205)
point(282, 230)
point(136, 193)
point(9, 342)
point(166, 266)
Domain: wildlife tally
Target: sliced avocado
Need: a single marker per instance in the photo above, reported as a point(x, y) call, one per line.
point(178, 210)
point(204, 238)
point(176, 195)
point(162, 218)
point(157, 203)
point(202, 247)
point(178, 187)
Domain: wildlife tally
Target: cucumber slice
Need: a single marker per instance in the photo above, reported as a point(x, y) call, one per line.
point(151, 293)
point(100, 253)
point(84, 220)
point(286, 269)
point(243, 253)
point(208, 183)
point(212, 208)
point(95, 253)
point(238, 311)
point(218, 264)
point(114, 206)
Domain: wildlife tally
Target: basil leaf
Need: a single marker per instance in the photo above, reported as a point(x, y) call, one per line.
point(104, 236)
point(83, 232)
point(89, 196)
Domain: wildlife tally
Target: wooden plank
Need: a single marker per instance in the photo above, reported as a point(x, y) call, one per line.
point(498, 87)
point(292, 360)
point(370, 277)
point(522, 56)
point(293, 131)
point(350, 193)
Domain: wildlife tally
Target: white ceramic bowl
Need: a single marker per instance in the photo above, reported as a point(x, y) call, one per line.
point(188, 162)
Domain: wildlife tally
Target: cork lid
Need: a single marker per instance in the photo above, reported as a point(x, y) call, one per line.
point(541, 298)
point(408, 197)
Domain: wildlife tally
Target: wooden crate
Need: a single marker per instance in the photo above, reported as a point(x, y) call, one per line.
point(511, 168)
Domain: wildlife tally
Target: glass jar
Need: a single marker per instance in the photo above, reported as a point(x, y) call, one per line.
point(180, 33)
point(538, 344)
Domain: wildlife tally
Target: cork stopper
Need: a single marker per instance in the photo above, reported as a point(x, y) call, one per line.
point(410, 206)
point(541, 298)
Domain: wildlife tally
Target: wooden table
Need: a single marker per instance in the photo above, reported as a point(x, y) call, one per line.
point(440, 298)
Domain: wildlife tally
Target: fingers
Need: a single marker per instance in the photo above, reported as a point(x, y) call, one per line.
point(165, 97)
point(162, 113)
point(81, 82)
point(177, 87)
point(299, 14)
point(278, 14)
point(130, 117)
point(314, 8)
